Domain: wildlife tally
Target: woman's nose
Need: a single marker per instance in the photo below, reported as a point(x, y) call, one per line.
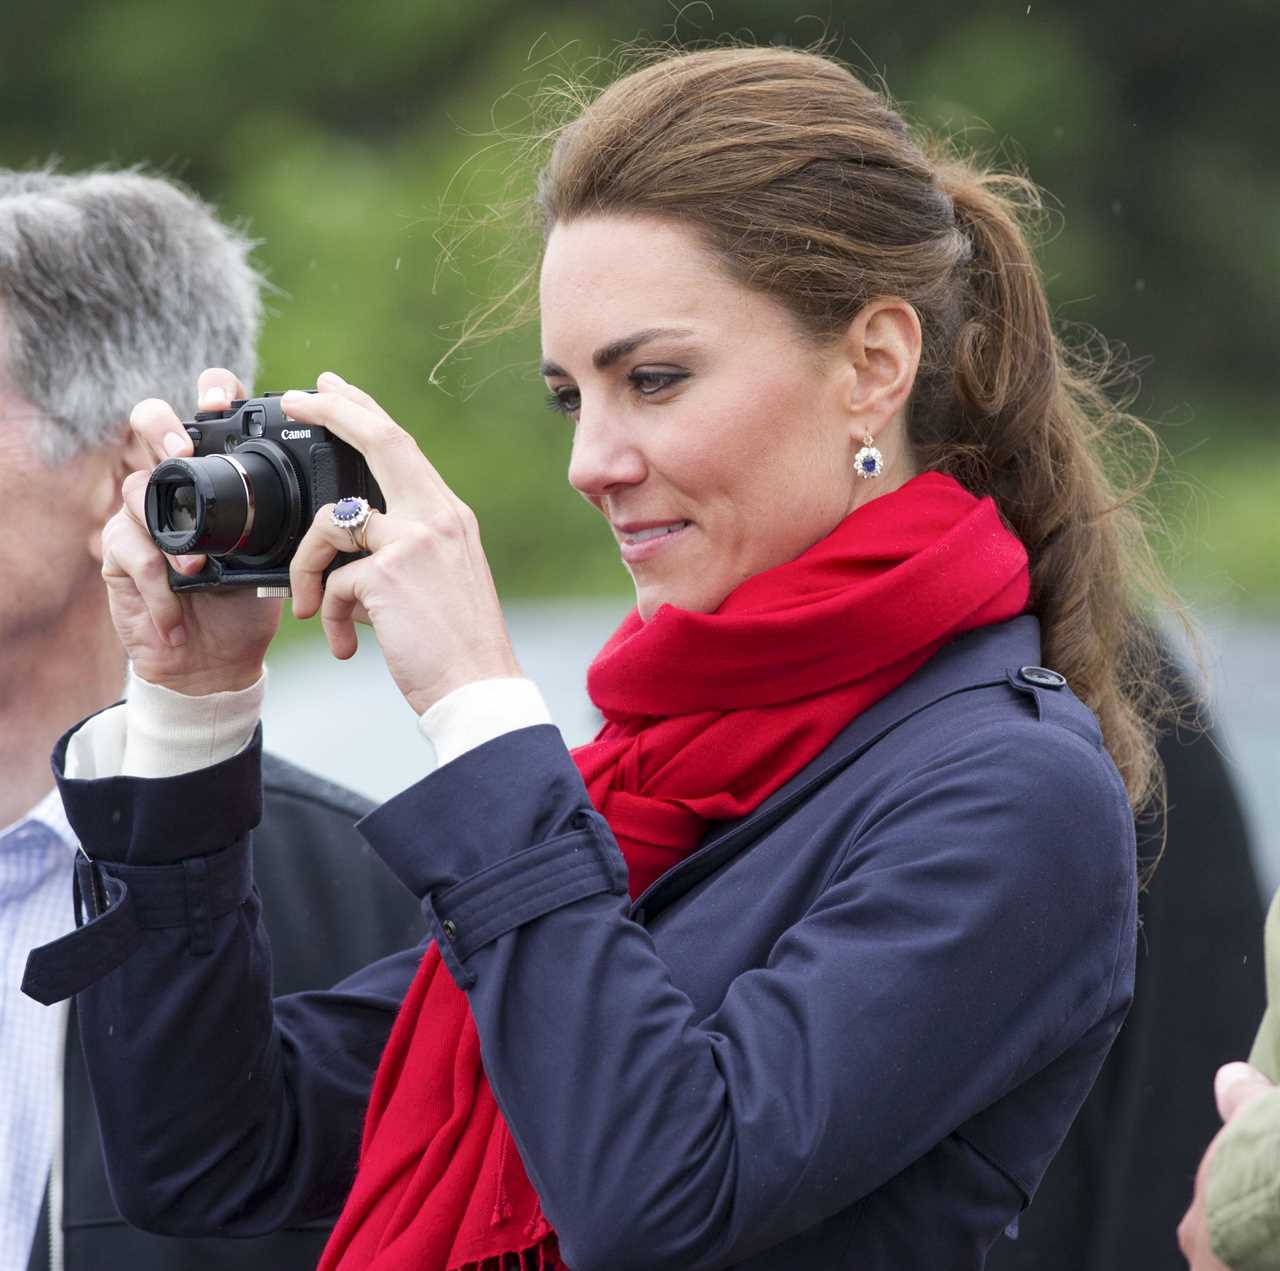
point(603, 457)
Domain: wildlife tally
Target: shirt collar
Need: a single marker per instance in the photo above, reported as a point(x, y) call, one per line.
point(51, 814)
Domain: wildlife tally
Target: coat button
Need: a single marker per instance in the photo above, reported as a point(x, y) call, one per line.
point(1042, 677)
point(450, 929)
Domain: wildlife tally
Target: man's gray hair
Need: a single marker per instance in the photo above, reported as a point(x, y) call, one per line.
point(115, 286)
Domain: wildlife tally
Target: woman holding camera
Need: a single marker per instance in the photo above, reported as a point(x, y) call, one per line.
point(809, 958)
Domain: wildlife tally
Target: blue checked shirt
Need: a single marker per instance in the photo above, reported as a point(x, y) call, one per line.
point(37, 854)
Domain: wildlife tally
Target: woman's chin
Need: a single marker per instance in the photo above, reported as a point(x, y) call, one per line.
point(651, 596)
point(648, 602)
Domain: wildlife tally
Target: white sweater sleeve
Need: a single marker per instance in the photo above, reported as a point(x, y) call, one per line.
point(156, 732)
point(478, 712)
point(159, 733)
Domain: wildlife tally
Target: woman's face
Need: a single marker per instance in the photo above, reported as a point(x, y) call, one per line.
point(713, 435)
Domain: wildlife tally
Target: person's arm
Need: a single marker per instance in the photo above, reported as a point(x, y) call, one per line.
point(1234, 1217)
point(967, 937)
point(160, 736)
point(217, 1115)
point(1241, 1190)
point(1233, 1221)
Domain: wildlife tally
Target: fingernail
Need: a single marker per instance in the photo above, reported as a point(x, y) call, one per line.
point(178, 636)
point(174, 443)
point(185, 562)
point(141, 410)
point(291, 397)
point(1229, 1075)
point(215, 397)
point(333, 378)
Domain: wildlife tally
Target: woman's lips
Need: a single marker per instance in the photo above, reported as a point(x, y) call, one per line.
point(645, 544)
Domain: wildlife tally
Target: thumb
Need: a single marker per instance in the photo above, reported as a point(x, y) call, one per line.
point(1236, 1086)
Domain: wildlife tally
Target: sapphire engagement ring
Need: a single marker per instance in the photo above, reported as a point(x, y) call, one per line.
point(353, 516)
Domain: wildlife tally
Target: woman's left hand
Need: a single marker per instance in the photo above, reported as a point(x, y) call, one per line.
point(425, 586)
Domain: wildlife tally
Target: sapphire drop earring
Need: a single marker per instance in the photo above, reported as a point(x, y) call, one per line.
point(868, 462)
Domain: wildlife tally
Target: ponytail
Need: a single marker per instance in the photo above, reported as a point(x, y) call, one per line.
point(1033, 425)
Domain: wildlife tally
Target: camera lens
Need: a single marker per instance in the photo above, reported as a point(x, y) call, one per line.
point(219, 504)
point(182, 507)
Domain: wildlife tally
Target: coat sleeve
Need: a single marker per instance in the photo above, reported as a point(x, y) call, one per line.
point(221, 1112)
point(979, 923)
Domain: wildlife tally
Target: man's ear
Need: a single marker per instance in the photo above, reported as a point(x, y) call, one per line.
point(883, 348)
point(132, 455)
point(106, 471)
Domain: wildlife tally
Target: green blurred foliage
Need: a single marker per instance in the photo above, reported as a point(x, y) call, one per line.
point(360, 144)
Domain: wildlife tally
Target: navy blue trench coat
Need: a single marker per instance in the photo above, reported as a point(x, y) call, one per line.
point(850, 1031)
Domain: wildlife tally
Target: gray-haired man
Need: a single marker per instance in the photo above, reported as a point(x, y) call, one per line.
point(114, 287)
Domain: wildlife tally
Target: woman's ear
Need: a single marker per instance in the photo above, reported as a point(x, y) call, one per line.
point(883, 348)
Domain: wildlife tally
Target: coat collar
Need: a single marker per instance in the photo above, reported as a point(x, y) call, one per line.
point(978, 658)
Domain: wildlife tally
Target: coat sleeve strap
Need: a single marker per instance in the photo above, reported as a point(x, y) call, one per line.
point(523, 887)
point(116, 903)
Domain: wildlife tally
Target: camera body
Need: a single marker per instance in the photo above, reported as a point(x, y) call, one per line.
point(249, 493)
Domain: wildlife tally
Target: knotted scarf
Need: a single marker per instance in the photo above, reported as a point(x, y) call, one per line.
point(705, 716)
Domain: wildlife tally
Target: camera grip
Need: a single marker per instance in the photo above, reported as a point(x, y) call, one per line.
point(324, 475)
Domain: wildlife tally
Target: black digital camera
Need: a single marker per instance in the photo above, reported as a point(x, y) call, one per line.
point(249, 493)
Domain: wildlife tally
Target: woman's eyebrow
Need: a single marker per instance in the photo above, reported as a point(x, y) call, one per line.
point(609, 353)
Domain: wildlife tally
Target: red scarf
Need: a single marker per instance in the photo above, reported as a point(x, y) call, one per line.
point(706, 715)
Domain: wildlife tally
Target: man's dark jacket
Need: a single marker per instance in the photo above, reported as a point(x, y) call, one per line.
point(850, 1030)
point(332, 907)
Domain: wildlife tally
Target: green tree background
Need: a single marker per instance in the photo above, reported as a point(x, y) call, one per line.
point(361, 145)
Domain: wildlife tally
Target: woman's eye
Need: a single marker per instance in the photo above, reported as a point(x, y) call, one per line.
point(647, 383)
point(564, 401)
point(567, 400)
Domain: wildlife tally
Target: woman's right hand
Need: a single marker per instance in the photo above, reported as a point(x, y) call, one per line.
point(196, 642)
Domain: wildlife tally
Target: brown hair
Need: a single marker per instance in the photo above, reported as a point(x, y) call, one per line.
point(808, 186)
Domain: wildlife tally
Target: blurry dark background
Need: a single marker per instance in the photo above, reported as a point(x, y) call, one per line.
point(354, 140)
